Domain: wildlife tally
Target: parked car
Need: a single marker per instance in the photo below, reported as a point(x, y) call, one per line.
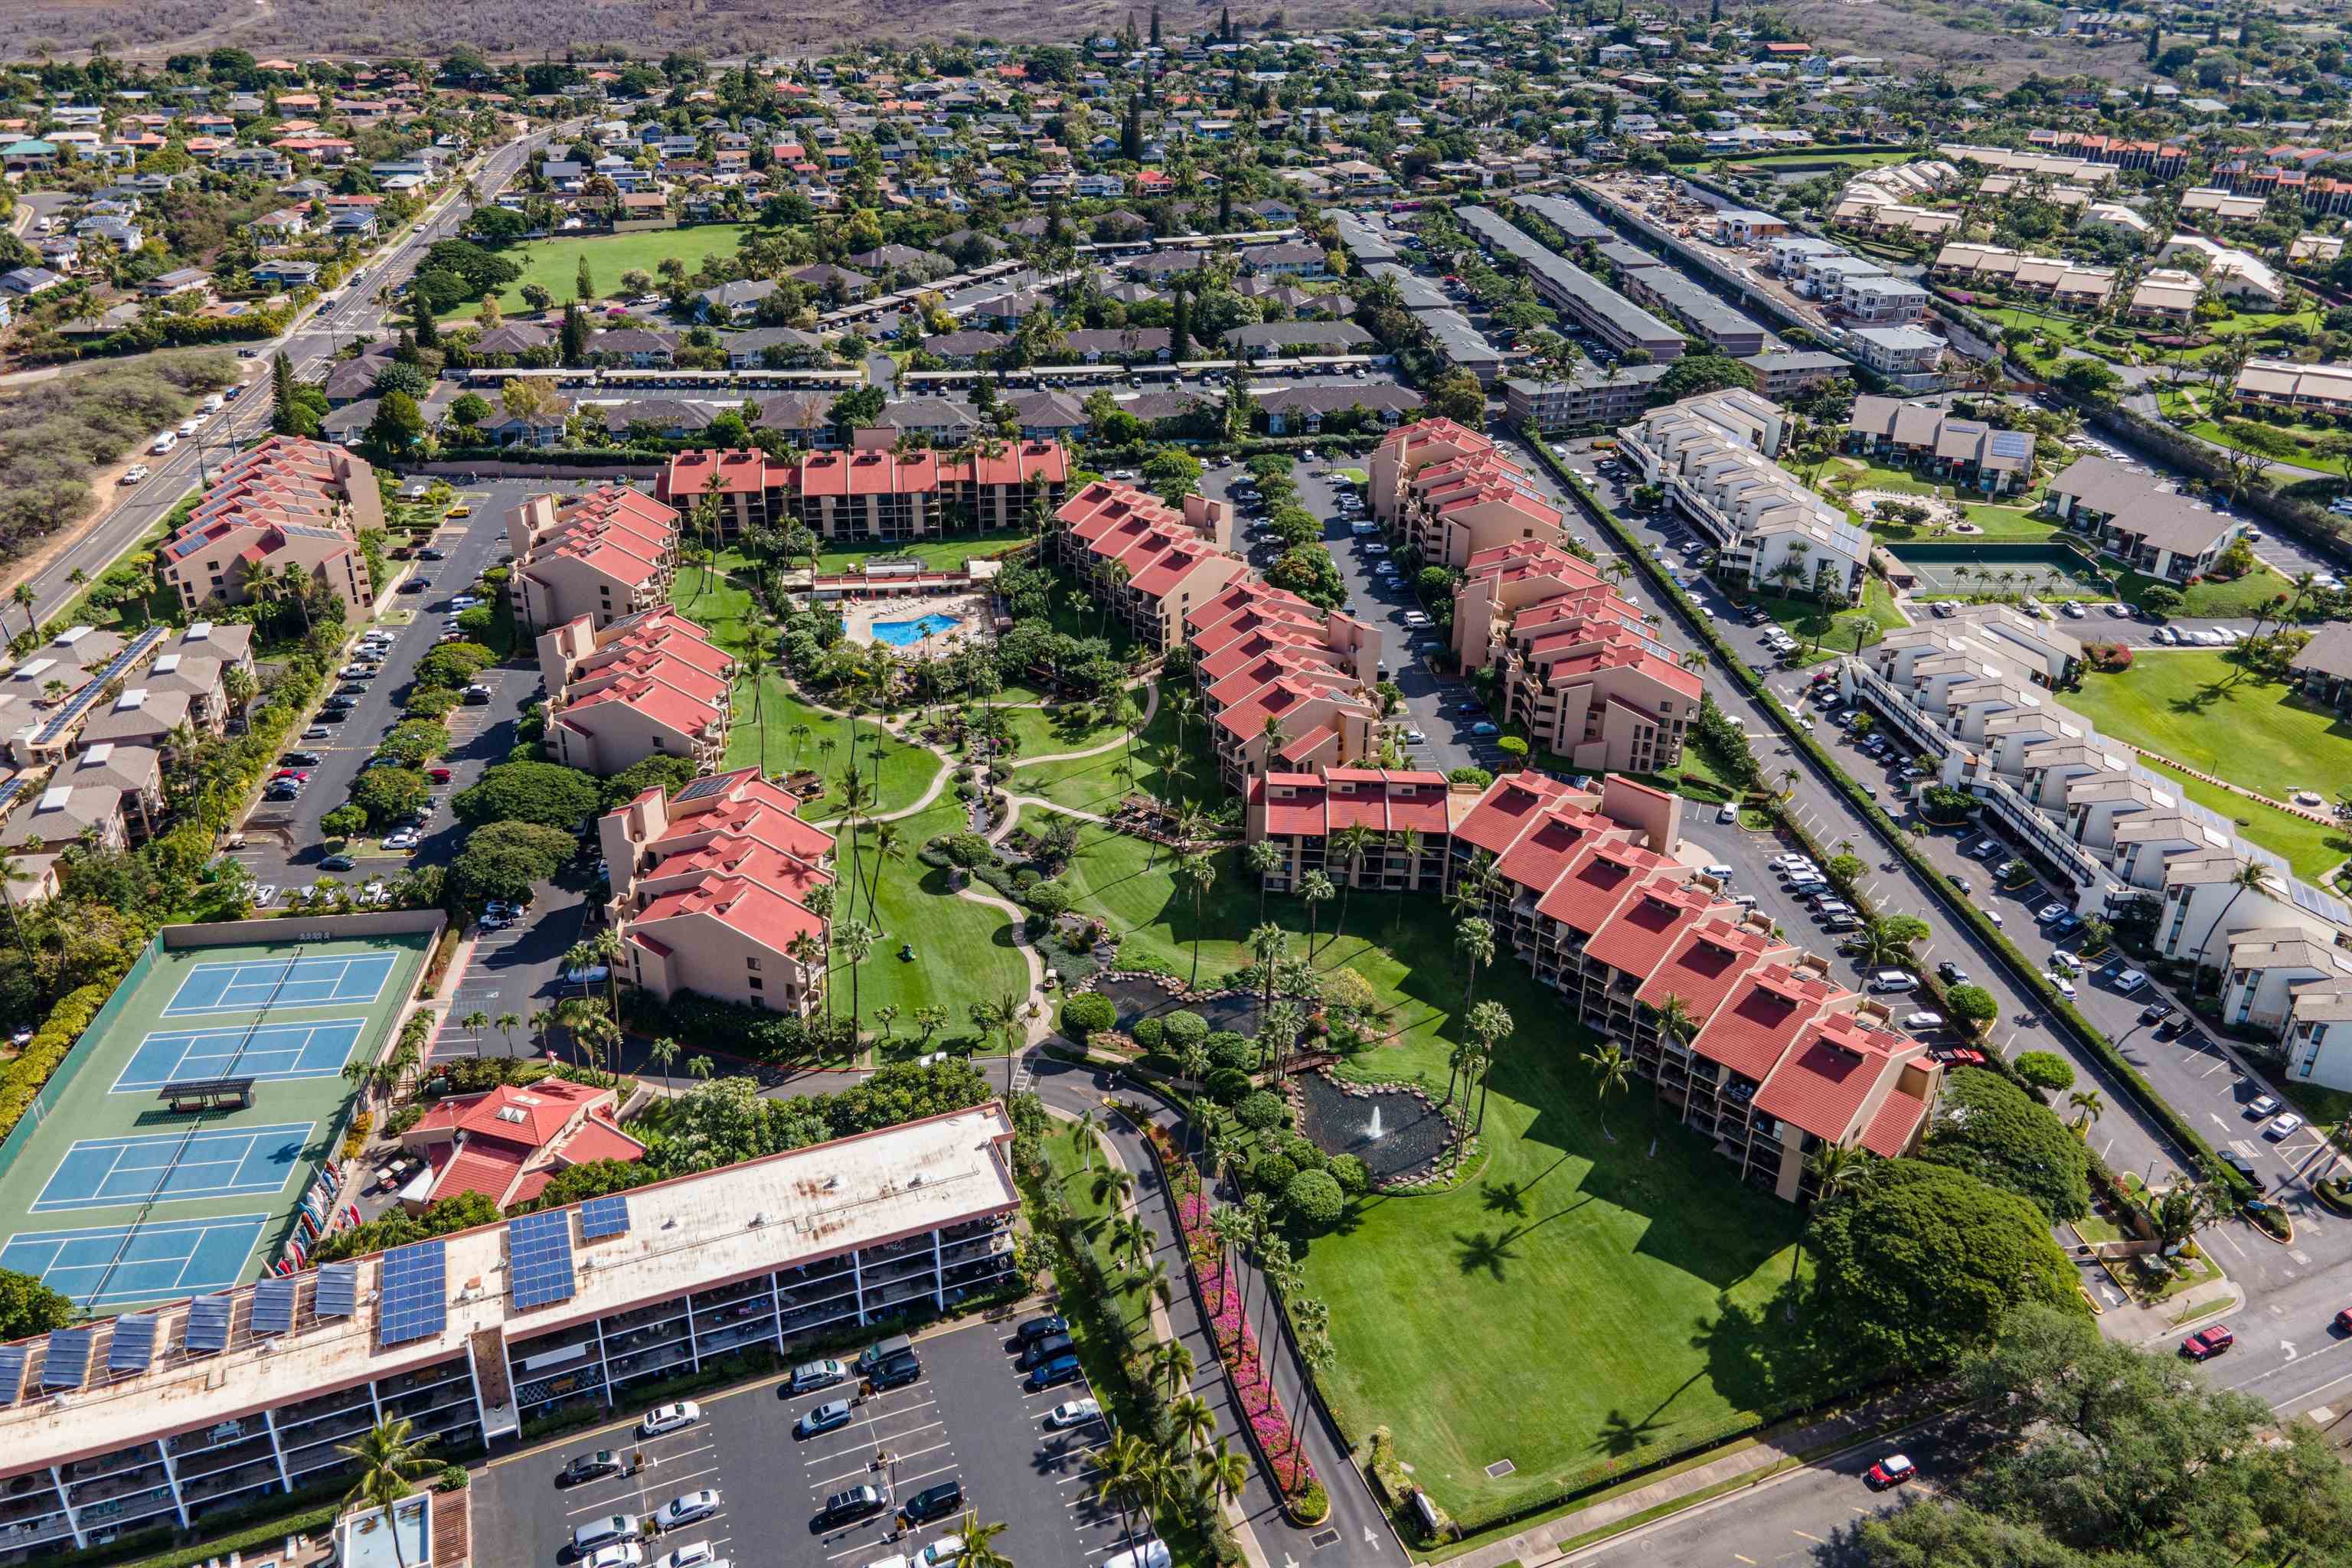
point(858, 1503)
point(1050, 1348)
point(1073, 1413)
point(1054, 1374)
point(687, 1507)
point(588, 1468)
point(826, 1417)
point(815, 1375)
point(932, 1503)
point(1042, 1328)
point(2244, 1166)
point(337, 863)
point(2285, 1125)
point(669, 1418)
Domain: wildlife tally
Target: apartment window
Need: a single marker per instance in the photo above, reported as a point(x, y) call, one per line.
point(752, 963)
point(756, 982)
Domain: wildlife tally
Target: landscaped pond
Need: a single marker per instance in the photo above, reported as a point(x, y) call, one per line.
point(1393, 1131)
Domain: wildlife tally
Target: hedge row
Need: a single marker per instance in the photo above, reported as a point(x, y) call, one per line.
point(1728, 659)
point(23, 1078)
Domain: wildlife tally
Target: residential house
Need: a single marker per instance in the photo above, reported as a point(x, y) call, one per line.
point(604, 554)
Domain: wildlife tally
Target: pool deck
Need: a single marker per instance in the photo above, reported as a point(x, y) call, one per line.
point(972, 613)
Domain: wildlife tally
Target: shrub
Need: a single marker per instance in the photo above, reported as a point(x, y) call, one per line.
point(1148, 1032)
point(1047, 898)
point(1228, 1049)
point(1271, 1173)
point(1297, 1150)
point(1313, 1199)
point(1973, 1006)
point(1349, 1172)
point(1186, 1030)
point(968, 849)
point(2046, 1070)
point(1228, 1086)
point(1086, 1013)
point(1260, 1109)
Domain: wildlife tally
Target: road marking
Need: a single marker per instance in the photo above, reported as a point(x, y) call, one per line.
point(1814, 1539)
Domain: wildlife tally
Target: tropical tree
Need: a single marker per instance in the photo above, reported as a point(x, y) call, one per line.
point(1316, 889)
point(1172, 1367)
point(2088, 1107)
point(1490, 1025)
point(1263, 859)
point(1352, 844)
point(856, 940)
point(1673, 1020)
point(1611, 1073)
point(2253, 876)
point(1198, 871)
point(389, 1457)
point(979, 1543)
point(1268, 944)
point(1473, 938)
point(1831, 1166)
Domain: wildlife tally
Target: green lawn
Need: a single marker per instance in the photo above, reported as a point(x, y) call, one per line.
point(1803, 619)
point(1578, 1301)
point(765, 721)
point(553, 264)
point(949, 552)
point(2007, 524)
point(963, 951)
point(2204, 710)
point(2215, 598)
point(1045, 732)
point(2312, 849)
point(1094, 783)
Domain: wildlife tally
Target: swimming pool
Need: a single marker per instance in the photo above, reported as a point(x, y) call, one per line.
point(907, 633)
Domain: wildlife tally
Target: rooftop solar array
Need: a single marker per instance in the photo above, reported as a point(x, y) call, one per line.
point(12, 1371)
point(133, 1345)
point(601, 1217)
point(539, 1257)
point(415, 1303)
point(67, 1363)
point(273, 1305)
point(701, 787)
point(208, 1320)
point(2012, 444)
point(74, 707)
point(339, 1290)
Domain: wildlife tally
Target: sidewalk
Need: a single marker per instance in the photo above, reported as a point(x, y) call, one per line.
point(1541, 1543)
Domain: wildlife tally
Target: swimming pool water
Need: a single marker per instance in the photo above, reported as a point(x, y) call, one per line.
point(906, 634)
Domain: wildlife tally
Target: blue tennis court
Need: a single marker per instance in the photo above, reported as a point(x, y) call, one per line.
point(259, 1051)
point(250, 986)
point(171, 1167)
point(115, 1265)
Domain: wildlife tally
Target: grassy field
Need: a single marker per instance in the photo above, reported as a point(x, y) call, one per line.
point(2205, 710)
point(2215, 598)
point(2186, 409)
point(963, 951)
point(1045, 732)
point(2312, 849)
point(555, 264)
point(1094, 783)
point(1803, 619)
point(1578, 1302)
point(950, 552)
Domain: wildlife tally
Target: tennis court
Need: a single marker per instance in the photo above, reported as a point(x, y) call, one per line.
point(266, 984)
point(115, 1265)
point(265, 1051)
point(2049, 571)
point(169, 1167)
point(163, 1202)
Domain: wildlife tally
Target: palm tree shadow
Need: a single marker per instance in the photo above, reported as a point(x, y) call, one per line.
point(1479, 1253)
point(1622, 1435)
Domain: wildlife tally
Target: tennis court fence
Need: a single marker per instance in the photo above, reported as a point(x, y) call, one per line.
point(75, 1058)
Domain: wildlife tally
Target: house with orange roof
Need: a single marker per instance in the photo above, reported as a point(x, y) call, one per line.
point(713, 888)
point(605, 553)
point(647, 685)
point(1152, 562)
point(1601, 693)
point(872, 491)
point(1408, 448)
point(289, 502)
point(508, 1144)
point(1452, 510)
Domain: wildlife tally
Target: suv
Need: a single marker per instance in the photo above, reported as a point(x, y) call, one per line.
point(896, 1373)
point(847, 1508)
point(932, 1503)
point(1039, 1352)
point(812, 1374)
point(1062, 1369)
point(2207, 1344)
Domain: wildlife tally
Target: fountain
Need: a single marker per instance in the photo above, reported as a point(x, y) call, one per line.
point(1332, 1117)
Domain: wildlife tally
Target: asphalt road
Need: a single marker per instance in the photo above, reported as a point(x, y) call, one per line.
point(307, 346)
point(968, 1419)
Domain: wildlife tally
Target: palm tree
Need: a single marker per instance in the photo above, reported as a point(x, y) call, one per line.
point(1490, 1025)
point(475, 1022)
point(979, 1543)
point(700, 1068)
point(2088, 1107)
point(1001, 1013)
point(1231, 1226)
point(1352, 844)
point(540, 1020)
point(1609, 1070)
point(1268, 945)
point(1407, 841)
point(390, 1455)
point(1171, 1364)
point(1262, 859)
point(1199, 872)
point(1123, 1469)
point(1284, 1023)
point(857, 941)
point(1316, 889)
point(1832, 1167)
point(2252, 877)
point(1115, 1184)
point(1192, 1421)
point(1222, 1472)
point(661, 1053)
point(807, 950)
point(1473, 938)
point(1672, 1016)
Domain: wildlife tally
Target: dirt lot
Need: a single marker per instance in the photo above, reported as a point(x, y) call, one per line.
point(1929, 35)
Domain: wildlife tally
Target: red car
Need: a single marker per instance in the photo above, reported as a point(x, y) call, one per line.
point(2208, 1343)
point(290, 774)
point(2343, 1319)
point(1890, 1471)
point(438, 775)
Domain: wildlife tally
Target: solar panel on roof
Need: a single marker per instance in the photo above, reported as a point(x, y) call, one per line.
point(338, 1295)
point(601, 1217)
point(133, 1345)
point(539, 1258)
point(415, 1303)
point(67, 1363)
point(273, 1305)
point(208, 1320)
point(12, 1371)
point(2012, 444)
point(701, 787)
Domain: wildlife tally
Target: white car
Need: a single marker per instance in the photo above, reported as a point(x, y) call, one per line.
point(1376, 550)
point(1727, 812)
point(134, 473)
point(1073, 1413)
point(700, 1503)
point(2065, 960)
point(2065, 987)
point(619, 1555)
point(2129, 981)
point(2282, 1126)
point(669, 1418)
point(944, 1553)
point(404, 840)
point(264, 895)
point(694, 1554)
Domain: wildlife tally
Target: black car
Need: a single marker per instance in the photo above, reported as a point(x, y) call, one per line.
point(334, 715)
point(896, 1373)
point(301, 759)
point(432, 555)
point(339, 702)
point(1951, 974)
point(588, 1467)
point(1046, 1350)
point(2156, 1012)
point(2244, 1166)
point(932, 1503)
point(1037, 1329)
point(2173, 1028)
point(847, 1508)
point(414, 585)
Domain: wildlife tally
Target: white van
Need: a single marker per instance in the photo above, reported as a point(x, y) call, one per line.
point(163, 442)
point(1153, 1554)
point(1720, 873)
point(1920, 1023)
point(604, 1532)
point(1893, 979)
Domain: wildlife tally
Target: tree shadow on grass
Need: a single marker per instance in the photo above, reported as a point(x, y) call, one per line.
point(1760, 1359)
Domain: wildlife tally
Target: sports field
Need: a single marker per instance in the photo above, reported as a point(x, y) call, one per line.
point(555, 264)
point(115, 1197)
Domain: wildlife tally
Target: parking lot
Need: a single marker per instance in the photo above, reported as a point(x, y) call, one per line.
point(968, 1419)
